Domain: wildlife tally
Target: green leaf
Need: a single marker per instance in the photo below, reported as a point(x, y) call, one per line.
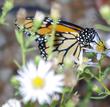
point(69, 104)
point(106, 71)
point(30, 104)
point(96, 89)
point(8, 5)
point(66, 89)
point(14, 82)
point(30, 39)
point(31, 49)
point(37, 60)
point(19, 35)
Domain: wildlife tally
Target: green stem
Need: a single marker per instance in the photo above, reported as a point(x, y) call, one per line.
point(100, 73)
point(101, 82)
point(99, 98)
point(102, 27)
point(23, 57)
point(100, 79)
point(30, 49)
point(17, 64)
point(51, 41)
point(23, 51)
point(104, 86)
point(65, 99)
point(53, 32)
point(85, 101)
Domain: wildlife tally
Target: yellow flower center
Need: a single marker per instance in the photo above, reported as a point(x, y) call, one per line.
point(38, 82)
point(85, 59)
point(100, 47)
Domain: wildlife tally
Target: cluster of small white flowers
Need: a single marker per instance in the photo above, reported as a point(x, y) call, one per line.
point(83, 62)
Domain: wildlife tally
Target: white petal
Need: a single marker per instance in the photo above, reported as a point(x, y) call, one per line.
point(97, 39)
point(31, 66)
point(108, 53)
point(75, 60)
point(90, 50)
point(81, 57)
point(99, 56)
point(53, 82)
point(108, 43)
point(12, 103)
point(44, 66)
point(43, 98)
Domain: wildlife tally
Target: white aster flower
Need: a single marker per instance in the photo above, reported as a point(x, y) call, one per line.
point(12, 103)
point(39, 83)
point(99, 48)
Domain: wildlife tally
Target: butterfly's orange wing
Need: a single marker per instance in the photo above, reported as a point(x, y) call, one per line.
point(66, 44)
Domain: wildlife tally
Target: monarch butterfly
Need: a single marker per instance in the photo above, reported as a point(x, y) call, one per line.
point(70, 39)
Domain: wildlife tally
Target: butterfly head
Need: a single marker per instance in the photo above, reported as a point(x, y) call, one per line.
point(89, 37)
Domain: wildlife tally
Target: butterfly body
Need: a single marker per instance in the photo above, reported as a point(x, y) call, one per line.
point(69, 40)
